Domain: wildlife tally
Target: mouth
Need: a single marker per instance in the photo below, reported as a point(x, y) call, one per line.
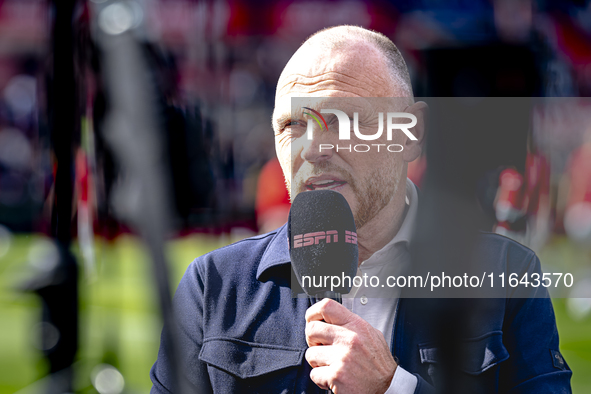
point(324, 184)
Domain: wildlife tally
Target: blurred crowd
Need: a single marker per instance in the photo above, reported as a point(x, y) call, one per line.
point(213, 66)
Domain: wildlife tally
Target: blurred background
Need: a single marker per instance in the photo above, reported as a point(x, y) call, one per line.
point(124, 123)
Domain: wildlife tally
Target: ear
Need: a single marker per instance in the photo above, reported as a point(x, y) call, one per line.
point(412, 148)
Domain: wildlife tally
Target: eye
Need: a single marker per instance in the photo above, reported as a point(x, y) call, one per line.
point(289, 125)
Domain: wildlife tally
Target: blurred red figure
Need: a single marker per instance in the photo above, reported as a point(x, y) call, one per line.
point(525, 197)
point(537, 186)
point(537, 200)
point(509, 203)
point(577, 216)
point(272, 201)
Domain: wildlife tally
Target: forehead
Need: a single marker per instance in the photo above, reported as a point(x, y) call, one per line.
point(356, 69)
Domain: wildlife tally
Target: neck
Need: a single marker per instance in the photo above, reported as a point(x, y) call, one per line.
point(380, 230)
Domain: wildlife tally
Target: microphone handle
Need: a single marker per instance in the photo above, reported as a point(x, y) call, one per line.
point(327, 294)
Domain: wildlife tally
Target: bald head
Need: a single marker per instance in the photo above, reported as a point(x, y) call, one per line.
point(347, 59)
point(342, 37)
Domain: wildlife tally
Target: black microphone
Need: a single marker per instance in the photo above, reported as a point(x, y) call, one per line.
point(323, 244)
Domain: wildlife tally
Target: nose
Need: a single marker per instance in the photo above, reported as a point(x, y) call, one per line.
point(319, 148)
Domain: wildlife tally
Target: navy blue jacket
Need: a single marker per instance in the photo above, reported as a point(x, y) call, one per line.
point(241, 331)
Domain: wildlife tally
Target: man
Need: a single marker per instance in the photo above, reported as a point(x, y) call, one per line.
point(242, 331)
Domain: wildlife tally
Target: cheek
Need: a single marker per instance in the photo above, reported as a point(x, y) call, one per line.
point(288, 147)
point(284, 156)
point(282, 143)
point(398, 137)
point(383, 165)
point(296, 146)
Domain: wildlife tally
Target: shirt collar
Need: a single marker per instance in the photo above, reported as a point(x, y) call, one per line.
point(404, 234)
point(277, 252)
point(402, 239)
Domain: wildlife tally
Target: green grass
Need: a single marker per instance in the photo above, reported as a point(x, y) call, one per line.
point(119, 315)
point(575, 345)
point(118, 311)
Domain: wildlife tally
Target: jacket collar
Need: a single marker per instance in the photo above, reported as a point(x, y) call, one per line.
point(277, 252)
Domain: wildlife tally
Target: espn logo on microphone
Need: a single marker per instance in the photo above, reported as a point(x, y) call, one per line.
point(315, 238)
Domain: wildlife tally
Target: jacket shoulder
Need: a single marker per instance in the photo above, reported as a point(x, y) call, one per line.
point(237, 259)
point(244, 247)
point(504, 253)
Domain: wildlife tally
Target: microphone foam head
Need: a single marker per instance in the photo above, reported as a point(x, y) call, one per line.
point(322, 241)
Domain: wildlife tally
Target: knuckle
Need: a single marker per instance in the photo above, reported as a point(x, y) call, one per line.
point(322, 306)
point(354, 339)
point(310, 328)
point(336, 376)
point(308, 355)
point(318, 377)
point(314, 375)
point(330, 301)
point(310, 311)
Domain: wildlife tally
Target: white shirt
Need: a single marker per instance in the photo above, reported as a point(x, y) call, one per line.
point(378, 305)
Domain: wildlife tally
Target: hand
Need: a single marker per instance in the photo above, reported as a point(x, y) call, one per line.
point(354, 358)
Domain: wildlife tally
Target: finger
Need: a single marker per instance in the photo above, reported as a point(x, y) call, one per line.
point(330, 311)
point(322, 376)
point(320, 356)
point(322, 333)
